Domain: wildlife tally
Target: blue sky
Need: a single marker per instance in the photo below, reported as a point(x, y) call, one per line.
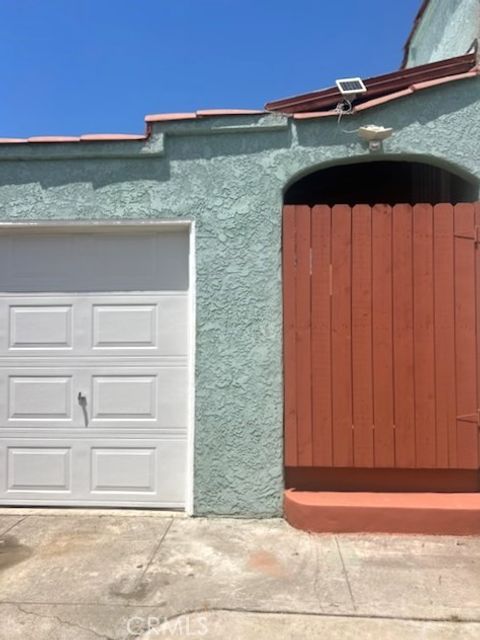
point(86, 66)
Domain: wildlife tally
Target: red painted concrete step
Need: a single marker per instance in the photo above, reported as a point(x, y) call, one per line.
point(357, 512)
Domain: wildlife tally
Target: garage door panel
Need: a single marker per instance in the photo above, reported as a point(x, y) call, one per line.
point(124, 397)
point(27, 261)
point(36, 326)
point(94, 262)
point(126, 325)
point(110, 397)
point(40, 397)
point(64, 471)
point(98, 326)
point(150, 327)
point(115, 469)
point(37, 398)
point(39, 469)
point(40, 327)
point(135, 397)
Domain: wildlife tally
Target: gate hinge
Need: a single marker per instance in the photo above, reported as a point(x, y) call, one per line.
point(475, 237)
point(473, 418)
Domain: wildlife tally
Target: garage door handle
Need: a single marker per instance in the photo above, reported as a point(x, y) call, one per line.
point(82, 401)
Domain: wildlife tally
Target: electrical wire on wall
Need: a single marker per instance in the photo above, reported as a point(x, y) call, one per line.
point(344, 108)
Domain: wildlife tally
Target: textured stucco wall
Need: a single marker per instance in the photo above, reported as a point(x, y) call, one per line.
point(447, 29)
point(228, 175)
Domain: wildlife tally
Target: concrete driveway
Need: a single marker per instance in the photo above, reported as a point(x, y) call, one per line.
point(84, 575)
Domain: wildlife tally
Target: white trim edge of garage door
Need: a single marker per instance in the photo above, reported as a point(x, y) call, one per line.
point(122, 227)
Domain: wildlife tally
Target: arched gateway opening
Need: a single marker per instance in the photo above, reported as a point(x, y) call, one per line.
point(381, 318)
point(387, 182)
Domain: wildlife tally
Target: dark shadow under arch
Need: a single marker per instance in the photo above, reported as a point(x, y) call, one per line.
point(381, 182)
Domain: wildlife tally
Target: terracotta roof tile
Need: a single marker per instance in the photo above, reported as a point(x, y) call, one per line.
point(53, 139)
point(309, 115)
point(13, 140)
point(105, 137)
point(384, 99)
point(433, 83)
point(228, 112)
point(167, 117)
point(91, 137)
point(111, 137)
point(381, 89)
point(202, 113)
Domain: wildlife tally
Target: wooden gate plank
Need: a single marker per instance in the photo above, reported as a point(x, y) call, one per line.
point(403, 336)
point(341, 337)
point(382, 336)
point(321, 337)
point(444, 323)
point(362, 336)
point(423, 336)
point(289, 335)
point(303, 325)
point(465, 335)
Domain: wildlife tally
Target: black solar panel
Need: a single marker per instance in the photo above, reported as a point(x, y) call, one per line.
point(351, 85)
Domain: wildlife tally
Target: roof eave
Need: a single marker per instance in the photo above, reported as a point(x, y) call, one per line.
point(377, 86)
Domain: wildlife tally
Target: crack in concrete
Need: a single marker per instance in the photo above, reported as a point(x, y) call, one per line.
point(317, 569)
point(139, 582)
point(323, 614)
point(8, 529)
point(35, 603)
point(66, 623)
point(265, 612)
point(345, 574)
point(339, 614)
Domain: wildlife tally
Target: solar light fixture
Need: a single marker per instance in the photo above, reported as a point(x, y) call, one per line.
point(372, 132)
point(374, 135)
point(351, 87)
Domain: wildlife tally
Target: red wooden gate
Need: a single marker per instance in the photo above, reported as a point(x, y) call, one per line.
point(381, 319)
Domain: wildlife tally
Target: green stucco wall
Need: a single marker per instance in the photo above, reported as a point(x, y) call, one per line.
point(228, 174)
point(447, 29)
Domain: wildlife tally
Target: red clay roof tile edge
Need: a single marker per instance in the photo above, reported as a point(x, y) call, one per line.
point(383, 99)
point(309, 115)
point(433, 83)
point(89, 137)
point(228, 112)
point(126, 137)
point(166, 117)
point(202, 113)
point(377, 86)
point(13, 140)
point(53, 139)
point(420, 86)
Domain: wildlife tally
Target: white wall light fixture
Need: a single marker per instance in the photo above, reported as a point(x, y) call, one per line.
point(374, 135)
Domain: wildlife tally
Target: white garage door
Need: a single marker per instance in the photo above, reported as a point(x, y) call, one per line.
point(94, 367)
